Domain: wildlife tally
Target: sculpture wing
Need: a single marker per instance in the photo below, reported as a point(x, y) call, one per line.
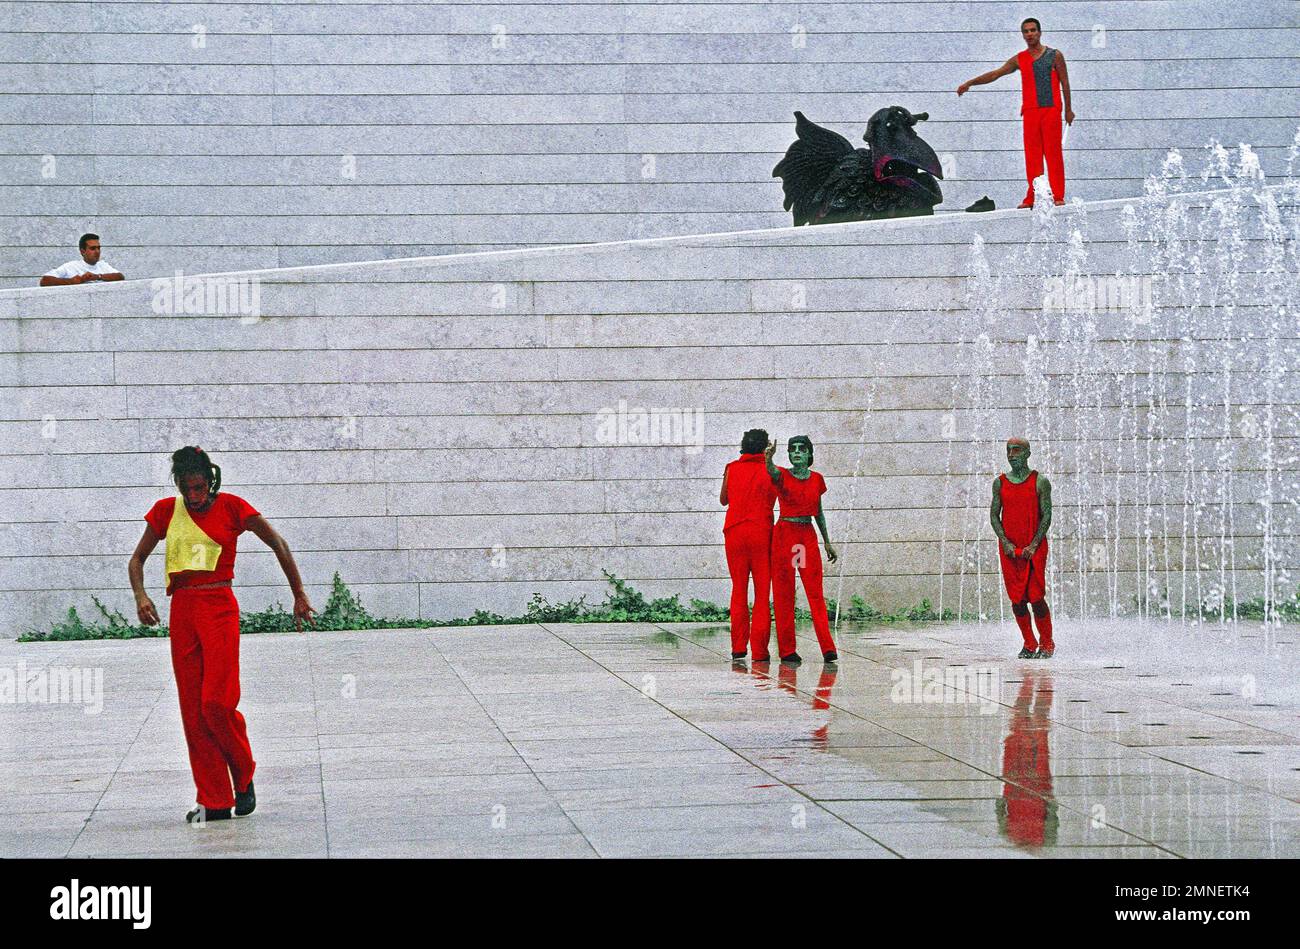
point(809, 165)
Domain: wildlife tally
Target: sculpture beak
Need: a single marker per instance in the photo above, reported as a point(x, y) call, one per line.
point(909, 150)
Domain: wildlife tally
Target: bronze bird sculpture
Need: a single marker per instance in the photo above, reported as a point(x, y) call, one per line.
point(826, 180)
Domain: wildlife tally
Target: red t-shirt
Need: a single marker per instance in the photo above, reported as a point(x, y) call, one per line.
point(800, 498)
point(750, 491)
point(224, 521)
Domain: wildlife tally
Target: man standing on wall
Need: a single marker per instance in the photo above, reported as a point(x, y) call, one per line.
point(1020, 513)
point(1044, 89)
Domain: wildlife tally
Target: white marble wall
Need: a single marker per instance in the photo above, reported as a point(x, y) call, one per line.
point(432, 429)
point(225, 136)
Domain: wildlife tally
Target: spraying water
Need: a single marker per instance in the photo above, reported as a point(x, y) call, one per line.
point(1156, 389)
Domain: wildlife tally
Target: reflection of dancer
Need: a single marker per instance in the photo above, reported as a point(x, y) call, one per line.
point(748, 494)
point(786, 680)
point(1020, 513)
point(1027, 811)
point(822, 700)
point(1044, 90)
point(201, 534)
point(794, 546)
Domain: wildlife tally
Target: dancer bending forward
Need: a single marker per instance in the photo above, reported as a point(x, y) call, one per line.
point(200, 527)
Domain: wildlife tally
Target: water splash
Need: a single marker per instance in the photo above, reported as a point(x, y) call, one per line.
point(1156, 393)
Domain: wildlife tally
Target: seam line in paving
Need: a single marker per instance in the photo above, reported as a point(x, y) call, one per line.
point(1116, 691)
point(997, 777)
point(116, 770)
point(433, 642)
point(714, 738)
point(320, 759)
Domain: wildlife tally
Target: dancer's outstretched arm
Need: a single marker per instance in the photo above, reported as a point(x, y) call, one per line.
point(831, 555)
point(302, 608)
point(1006, 69)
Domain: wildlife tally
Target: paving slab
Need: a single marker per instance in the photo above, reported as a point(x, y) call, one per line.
point(646, 740)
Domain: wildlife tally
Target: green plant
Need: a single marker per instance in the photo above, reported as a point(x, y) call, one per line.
point(343, 610)
point(114, 627)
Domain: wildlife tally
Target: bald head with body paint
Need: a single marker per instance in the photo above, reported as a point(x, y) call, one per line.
point(1018, 456)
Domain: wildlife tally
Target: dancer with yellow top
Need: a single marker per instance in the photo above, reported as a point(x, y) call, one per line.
point(201, 527)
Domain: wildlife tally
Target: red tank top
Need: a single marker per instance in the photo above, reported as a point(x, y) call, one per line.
point(1020, 509)
point(1034, 89)
point(800, 498)
point(750, 492)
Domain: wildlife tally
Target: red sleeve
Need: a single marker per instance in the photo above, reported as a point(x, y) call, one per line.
point(241, 512)
point(821, 484)
point(160, 515)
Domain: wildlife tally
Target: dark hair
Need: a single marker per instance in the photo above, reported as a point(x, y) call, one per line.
point(753, 441)
point(1033, 20)
point(804, 439)
point(194, 460)
point(86, 238)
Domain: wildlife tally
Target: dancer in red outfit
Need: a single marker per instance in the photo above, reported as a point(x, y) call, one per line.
point(201, 534)
point(794, 546)
point(1044, 92)
point(1021, 513)
point(748, 494)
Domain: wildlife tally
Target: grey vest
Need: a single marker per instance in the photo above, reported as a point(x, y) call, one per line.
point(1043, 77)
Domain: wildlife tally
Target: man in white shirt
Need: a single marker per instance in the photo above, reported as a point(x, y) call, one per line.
point(90, 267)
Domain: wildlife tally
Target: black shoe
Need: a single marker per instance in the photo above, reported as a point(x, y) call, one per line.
point(793, 659)
point(1027, 653)
point(983, 204)
point(201, 814)
point(831, 656)
point(245, 801)
point(737, 656)
point(1045, 652)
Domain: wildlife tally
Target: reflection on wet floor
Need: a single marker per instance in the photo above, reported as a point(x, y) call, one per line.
point(1027, 811)
point(917, 776)
point(646, 740)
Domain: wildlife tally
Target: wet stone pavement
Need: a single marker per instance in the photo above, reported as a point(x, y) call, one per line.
point(644, 740)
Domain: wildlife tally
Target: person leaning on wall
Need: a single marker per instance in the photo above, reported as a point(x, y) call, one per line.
point(89, 268)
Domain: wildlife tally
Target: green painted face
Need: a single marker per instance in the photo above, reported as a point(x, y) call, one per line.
point(800, 456)
point(1018, 455)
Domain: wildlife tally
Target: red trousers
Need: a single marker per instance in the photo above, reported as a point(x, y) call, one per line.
point(794, 547)
point(204, 628)
point(1043, 141)
point(749, 545)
